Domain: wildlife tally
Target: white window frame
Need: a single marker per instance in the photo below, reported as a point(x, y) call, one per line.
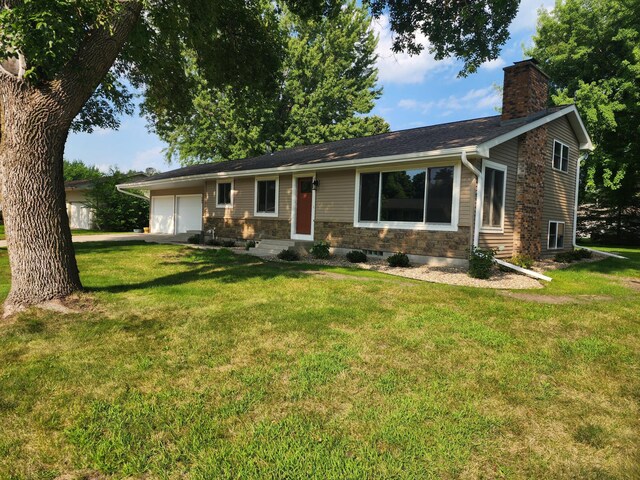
point(231, 194)
point(555, 141)
point(435, 227)
point(255, 196)
point(294, 206)
point(496, 166)
point(564, 234)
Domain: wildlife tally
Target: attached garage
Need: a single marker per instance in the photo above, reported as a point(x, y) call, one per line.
point(174, 214)
point(80, 216)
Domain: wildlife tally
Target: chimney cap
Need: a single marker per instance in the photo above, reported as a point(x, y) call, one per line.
point(528, 61)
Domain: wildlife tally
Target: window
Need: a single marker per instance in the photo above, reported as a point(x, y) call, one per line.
point(556, 235)
point(493, 196)
point(417, 198)
point(560, 156)
point(267, 197)
point(223, 198)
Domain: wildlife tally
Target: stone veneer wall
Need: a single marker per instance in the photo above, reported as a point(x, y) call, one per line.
point(530, 192)
point(415, 242)
point(250, 228)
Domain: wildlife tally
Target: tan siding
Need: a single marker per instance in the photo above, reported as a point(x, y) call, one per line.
point(284, 202)
point(76, 195)
point(467, 191)
point(243, 199)
point(505, 154)
point(559, 187)
point(178, 191)
point(335, 195)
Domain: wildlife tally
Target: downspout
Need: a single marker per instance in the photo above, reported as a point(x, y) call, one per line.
point(476, 225)
point(575, 215)
point(121, 190)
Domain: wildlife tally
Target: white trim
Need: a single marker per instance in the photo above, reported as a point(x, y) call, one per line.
point(574, 119)
point(495, 166)
point(434, 227)
point(294, 207)
point(557, 222)
point(231, 194)
point(553, 155)
point(313, 167)
point(526, 271)
point(256, 213)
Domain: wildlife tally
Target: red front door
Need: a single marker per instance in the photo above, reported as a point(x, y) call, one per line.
point(304, 203)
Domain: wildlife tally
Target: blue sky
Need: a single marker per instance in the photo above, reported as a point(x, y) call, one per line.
point(417, 91)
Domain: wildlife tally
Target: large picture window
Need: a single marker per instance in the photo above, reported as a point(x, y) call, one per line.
point(267, 197)
point(416, 198)
point(560, 156)
point(493, 197)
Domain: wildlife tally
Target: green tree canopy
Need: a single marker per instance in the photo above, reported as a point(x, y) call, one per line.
point(78, 170)
point(591, 50)
point(327, 88)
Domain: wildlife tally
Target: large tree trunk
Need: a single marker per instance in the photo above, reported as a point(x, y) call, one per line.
point(41, 255)
point(34, 122)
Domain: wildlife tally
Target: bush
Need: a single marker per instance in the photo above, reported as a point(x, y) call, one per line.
point(320, 250)
point(214, 242)
point(522, 260)
point(572, 255)
point(398, 260)
point(194, 239)
point(356, 256)
point(481, 262)
point(250, 244)
point(229, 243)
point(289, 255)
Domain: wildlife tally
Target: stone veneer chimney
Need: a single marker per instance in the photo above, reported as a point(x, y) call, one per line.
point(525, 92)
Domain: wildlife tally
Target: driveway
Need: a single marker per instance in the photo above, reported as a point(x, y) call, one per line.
point(118, 237)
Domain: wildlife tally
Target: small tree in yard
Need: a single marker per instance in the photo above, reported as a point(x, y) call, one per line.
point(115, 211)
point(62, 64)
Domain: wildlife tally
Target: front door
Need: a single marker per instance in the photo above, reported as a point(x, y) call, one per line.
point(304, 205)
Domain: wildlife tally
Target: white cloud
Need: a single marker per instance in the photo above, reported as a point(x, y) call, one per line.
point(473, 100)
point(402, 68)
point(527, 16)
point(493, 64)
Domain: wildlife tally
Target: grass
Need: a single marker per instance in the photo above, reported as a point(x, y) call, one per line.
point(203, 364)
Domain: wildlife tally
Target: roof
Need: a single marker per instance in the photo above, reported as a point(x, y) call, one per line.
point(78, 184)
point(442, 137)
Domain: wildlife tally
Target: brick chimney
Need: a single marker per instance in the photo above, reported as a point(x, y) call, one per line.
point(525, 90)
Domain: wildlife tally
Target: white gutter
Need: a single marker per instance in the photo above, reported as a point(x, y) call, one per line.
point(120, 189)
point(312, 167)
point(480, 180)
point(575, 216)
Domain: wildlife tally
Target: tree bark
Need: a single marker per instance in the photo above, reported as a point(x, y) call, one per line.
point(34, 125)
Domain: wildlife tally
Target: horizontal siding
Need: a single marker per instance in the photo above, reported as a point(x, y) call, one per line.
point(284, 202)
point(559, 187)
point(76, 196)
point(467, 193)
point(335, 196)
point(243, 199)
point(505, 154)
point(178, 191)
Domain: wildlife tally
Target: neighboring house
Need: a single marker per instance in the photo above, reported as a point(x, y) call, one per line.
point(506, 182)
point(80, 215)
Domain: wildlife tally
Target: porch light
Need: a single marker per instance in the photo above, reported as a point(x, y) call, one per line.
point(315, 184)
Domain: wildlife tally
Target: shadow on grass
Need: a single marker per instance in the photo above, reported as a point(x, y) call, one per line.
point(222, 266)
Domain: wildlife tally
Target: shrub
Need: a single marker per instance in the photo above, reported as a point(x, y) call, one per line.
point(398, 260)
point(229, 243)
point(356, 256)
point(572, 255)
point(481, 262)
point(214, 242)
point(250, 244)
point(522, 260)
point(194, 239)
point(289, 255)
point(320, 250)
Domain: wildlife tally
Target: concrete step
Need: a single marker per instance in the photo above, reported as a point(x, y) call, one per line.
point(276, 244)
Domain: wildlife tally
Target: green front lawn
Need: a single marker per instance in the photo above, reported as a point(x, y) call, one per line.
point(202, 364)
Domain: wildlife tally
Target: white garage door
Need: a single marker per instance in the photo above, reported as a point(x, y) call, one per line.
point(188, 213)
point(80, 216)
point(162, 214)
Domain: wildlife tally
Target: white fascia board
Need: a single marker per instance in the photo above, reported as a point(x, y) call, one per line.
point(574, 119)
point(313, 167)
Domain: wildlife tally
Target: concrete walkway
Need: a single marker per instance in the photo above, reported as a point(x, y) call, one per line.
point(117, 237)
